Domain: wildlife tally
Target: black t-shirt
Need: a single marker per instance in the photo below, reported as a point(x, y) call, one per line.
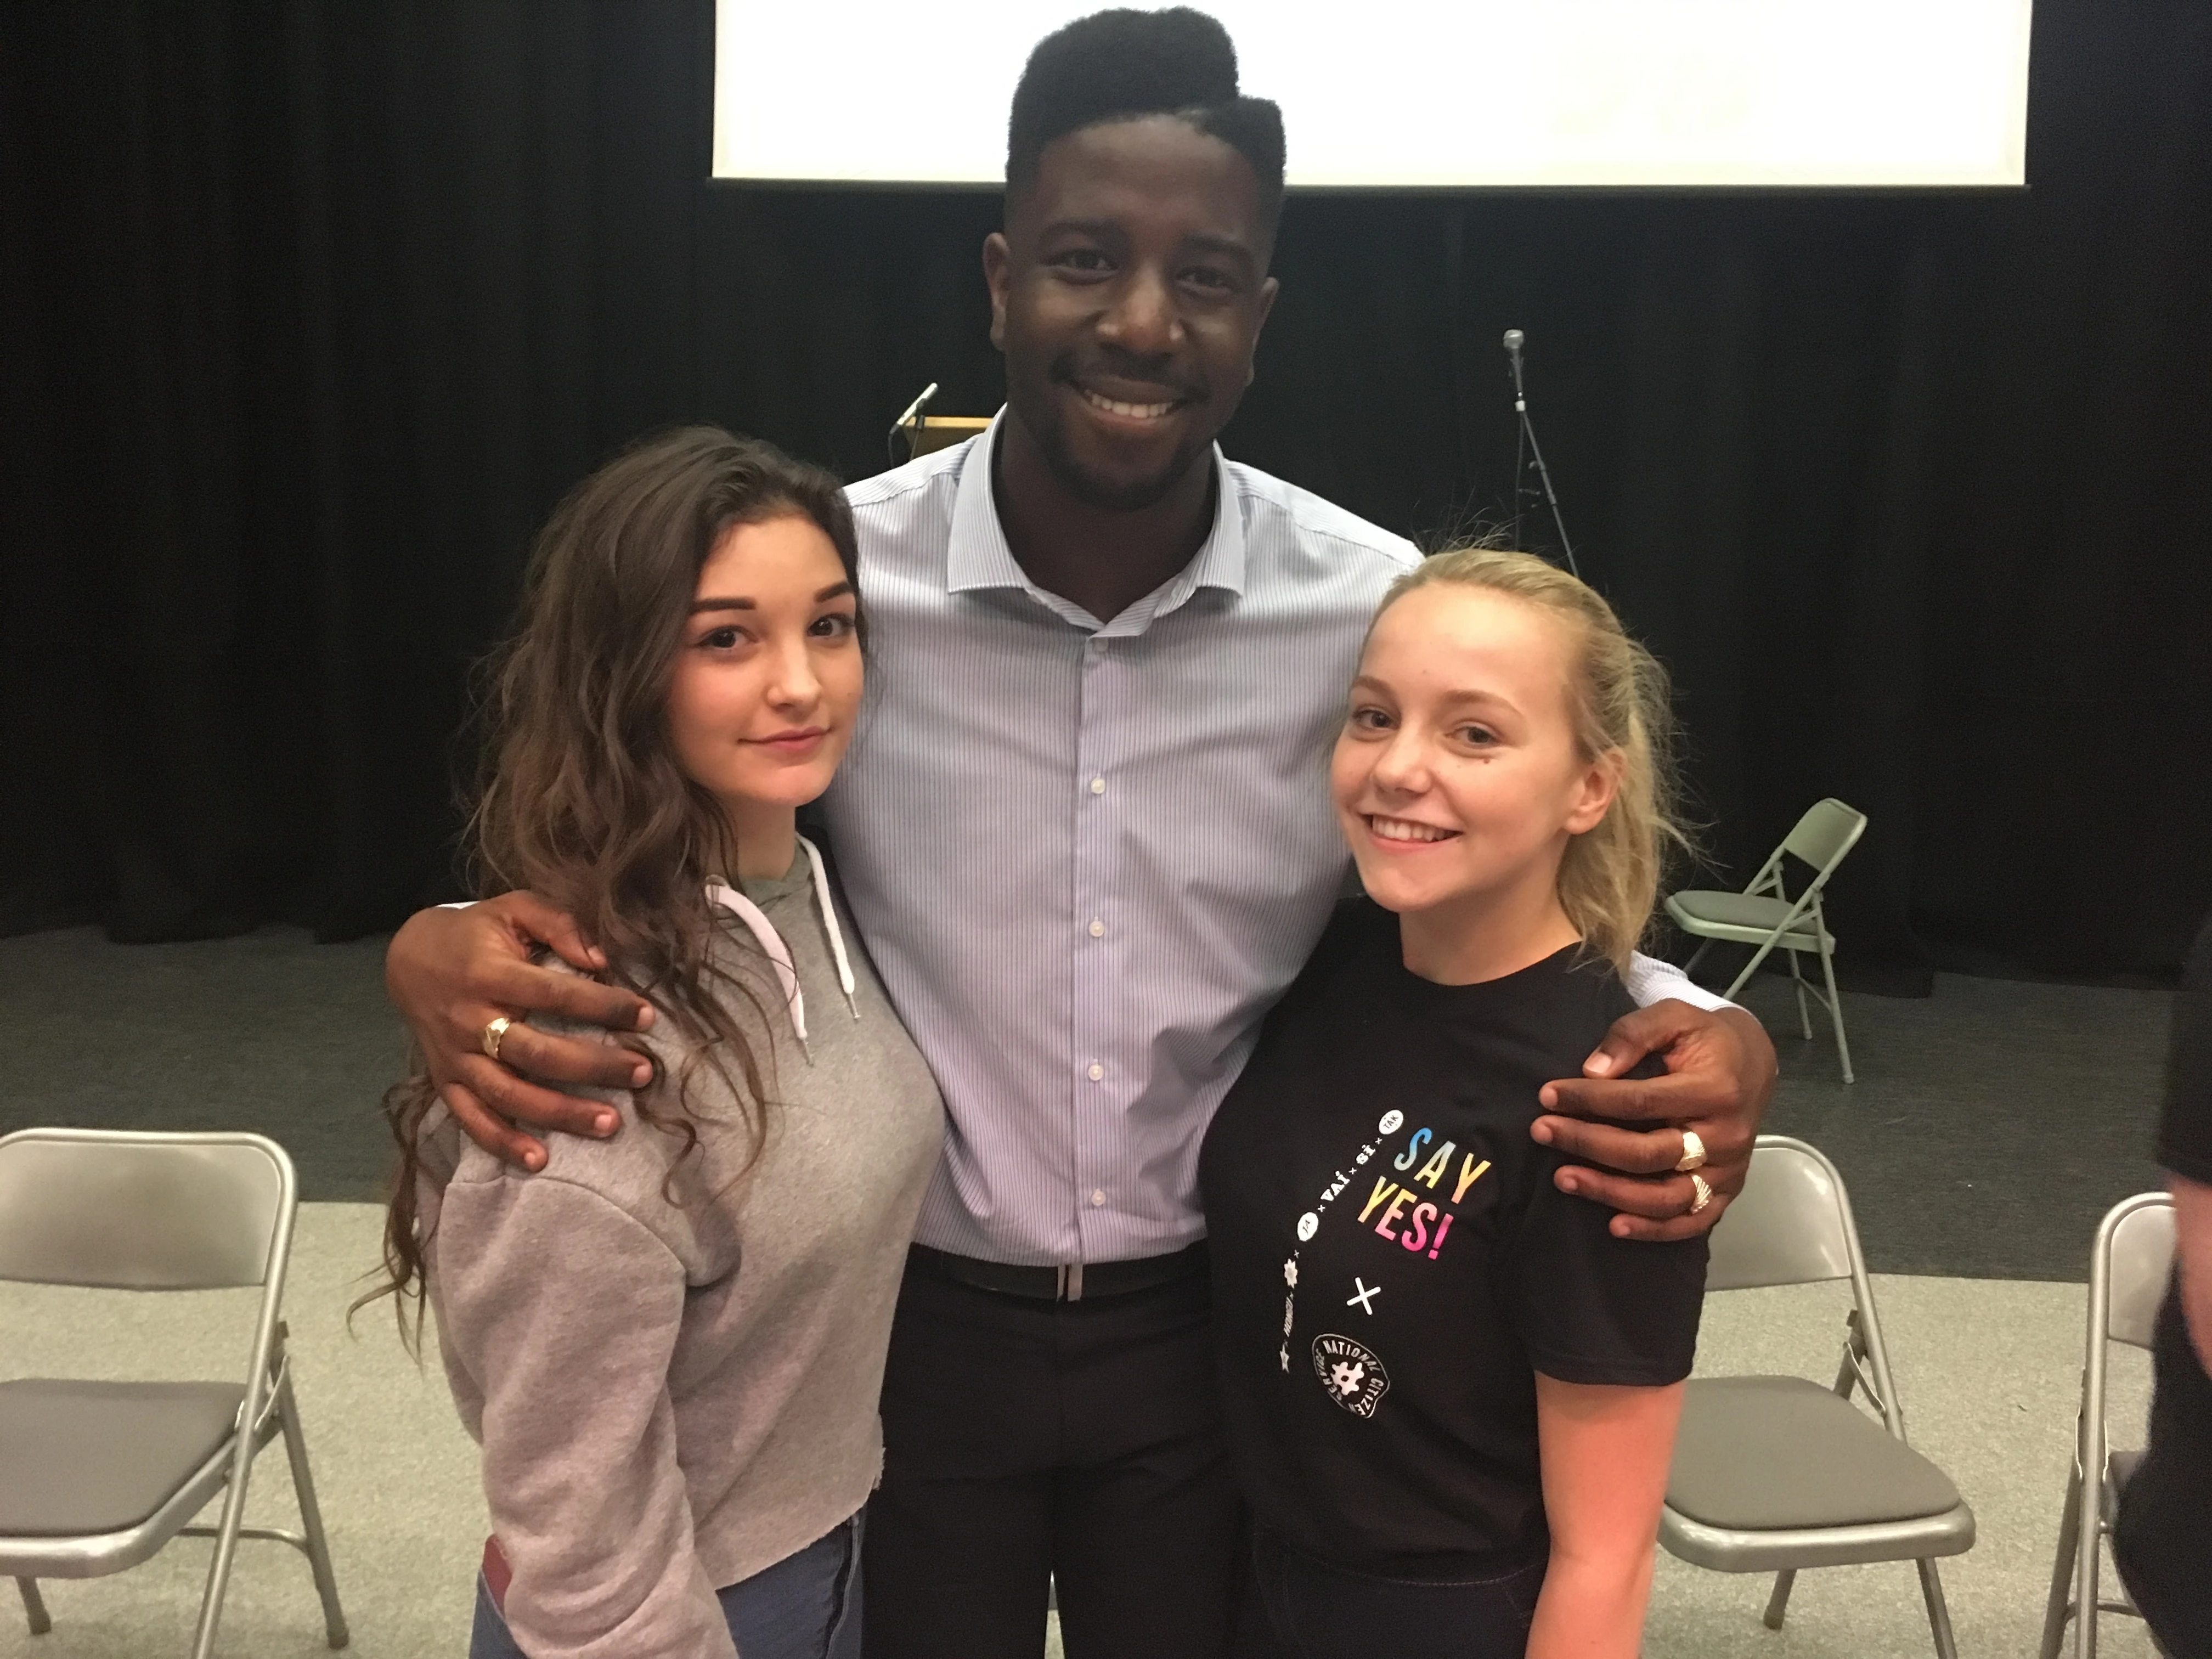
point(2164, 1543)
point(1392, 1262)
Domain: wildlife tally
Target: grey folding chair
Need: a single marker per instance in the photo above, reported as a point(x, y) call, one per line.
point(2128, 1272)
point(1765, 915)
point(97, 1476)
point(1778, 1474)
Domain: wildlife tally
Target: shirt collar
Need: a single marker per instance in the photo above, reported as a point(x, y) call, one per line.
point(979, 557)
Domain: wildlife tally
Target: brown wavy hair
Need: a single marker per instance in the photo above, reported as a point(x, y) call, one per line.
point(580, 798)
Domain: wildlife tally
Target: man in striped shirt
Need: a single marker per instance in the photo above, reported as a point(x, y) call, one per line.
point(1084, 828)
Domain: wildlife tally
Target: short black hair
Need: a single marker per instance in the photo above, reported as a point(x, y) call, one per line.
point(1124, 63)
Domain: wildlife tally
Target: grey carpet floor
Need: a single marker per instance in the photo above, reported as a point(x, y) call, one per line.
point(1987, 1370)
point(1991, 1123)
point(1990, 1126)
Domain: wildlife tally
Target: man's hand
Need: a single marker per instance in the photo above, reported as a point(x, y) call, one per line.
point(453, 972)
point(1720, 1071)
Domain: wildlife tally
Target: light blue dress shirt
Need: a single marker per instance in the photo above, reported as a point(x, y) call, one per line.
point(1086, 855)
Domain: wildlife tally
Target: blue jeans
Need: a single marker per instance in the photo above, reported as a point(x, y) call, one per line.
point(807, 1606)
point(1314, 1611)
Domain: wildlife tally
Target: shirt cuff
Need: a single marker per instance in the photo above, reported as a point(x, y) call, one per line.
point(1649, 980)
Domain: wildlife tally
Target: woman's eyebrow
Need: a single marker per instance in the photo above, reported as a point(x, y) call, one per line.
point(1371, 684)
point(836, 590)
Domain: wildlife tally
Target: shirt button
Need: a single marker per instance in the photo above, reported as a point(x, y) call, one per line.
point(1097, 786)
point(1097, 1200)
point(1098, 928)
point(1097, 1073)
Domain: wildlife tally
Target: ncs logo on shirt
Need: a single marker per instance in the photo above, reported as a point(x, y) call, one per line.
point(1350, 1373)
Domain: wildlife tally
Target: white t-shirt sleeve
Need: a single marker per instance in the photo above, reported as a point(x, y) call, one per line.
point(1649, 980)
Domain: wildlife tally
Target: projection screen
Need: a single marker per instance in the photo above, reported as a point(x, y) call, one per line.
point(1423, 93)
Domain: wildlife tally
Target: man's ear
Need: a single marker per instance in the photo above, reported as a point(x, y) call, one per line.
point(998, 278)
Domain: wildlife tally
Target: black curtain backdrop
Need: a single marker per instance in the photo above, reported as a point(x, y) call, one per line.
point(309, 311)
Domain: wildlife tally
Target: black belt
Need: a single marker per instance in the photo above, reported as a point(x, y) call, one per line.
point(1071, 1282)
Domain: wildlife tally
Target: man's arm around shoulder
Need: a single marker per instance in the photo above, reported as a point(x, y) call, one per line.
point(453, 972)
point(1720, 1071)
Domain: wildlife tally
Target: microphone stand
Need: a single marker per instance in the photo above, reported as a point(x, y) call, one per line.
point(913, 418)
point(1525, 445)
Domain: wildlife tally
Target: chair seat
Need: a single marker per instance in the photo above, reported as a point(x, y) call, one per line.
point(1758, 1453)
point(1746, 918)
point(81, 1458)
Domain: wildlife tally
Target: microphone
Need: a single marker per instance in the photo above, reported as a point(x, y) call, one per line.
point(1525, 448)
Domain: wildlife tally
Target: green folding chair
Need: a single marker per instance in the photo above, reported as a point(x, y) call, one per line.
point(1763, 913)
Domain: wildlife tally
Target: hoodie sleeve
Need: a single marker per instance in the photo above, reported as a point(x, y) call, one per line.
point(563, 1310)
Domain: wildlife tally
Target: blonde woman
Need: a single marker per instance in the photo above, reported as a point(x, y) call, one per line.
point(1452, 1390)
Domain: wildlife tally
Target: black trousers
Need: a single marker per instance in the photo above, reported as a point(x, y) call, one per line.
point(1079, 1442)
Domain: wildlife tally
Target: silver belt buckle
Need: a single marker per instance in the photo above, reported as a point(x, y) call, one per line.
point(1071, 1281)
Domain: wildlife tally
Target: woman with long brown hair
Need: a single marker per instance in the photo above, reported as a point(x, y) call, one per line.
point(670, 1343)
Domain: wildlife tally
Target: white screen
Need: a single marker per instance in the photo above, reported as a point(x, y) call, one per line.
point(1424, 93)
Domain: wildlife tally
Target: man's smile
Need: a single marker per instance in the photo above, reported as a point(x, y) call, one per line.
point(1127, 400)
point(1127, 410)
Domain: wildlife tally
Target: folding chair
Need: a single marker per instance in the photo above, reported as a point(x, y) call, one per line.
point(1777, 1473)
point(1765, 915)
point(97, 1476)
point(2128, 1272)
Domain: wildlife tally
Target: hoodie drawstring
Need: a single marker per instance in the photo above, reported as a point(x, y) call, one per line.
point(779, 954)
point(829, 922)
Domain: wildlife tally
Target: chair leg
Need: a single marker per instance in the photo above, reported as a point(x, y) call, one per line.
point(1695, 956)
point(1836, 1009)
point(1939, 1615)
point(1804, 1019)
point(2062, 1572)
point(34, 1606)
point(1780, 1599)
point(311, 1514)
point(226, 1532)
point(1751, 967)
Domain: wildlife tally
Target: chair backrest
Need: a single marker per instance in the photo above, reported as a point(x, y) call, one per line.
point(2137, 1246)
point(1790, 1224)
point(1827, 831)
point(142, 1211)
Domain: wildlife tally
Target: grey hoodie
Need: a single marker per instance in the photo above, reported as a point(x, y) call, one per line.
point(674, 1379)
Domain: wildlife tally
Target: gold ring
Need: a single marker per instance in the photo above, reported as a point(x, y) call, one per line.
point(1693, 1153)
point(1705, 1193)
point(493, 1033)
